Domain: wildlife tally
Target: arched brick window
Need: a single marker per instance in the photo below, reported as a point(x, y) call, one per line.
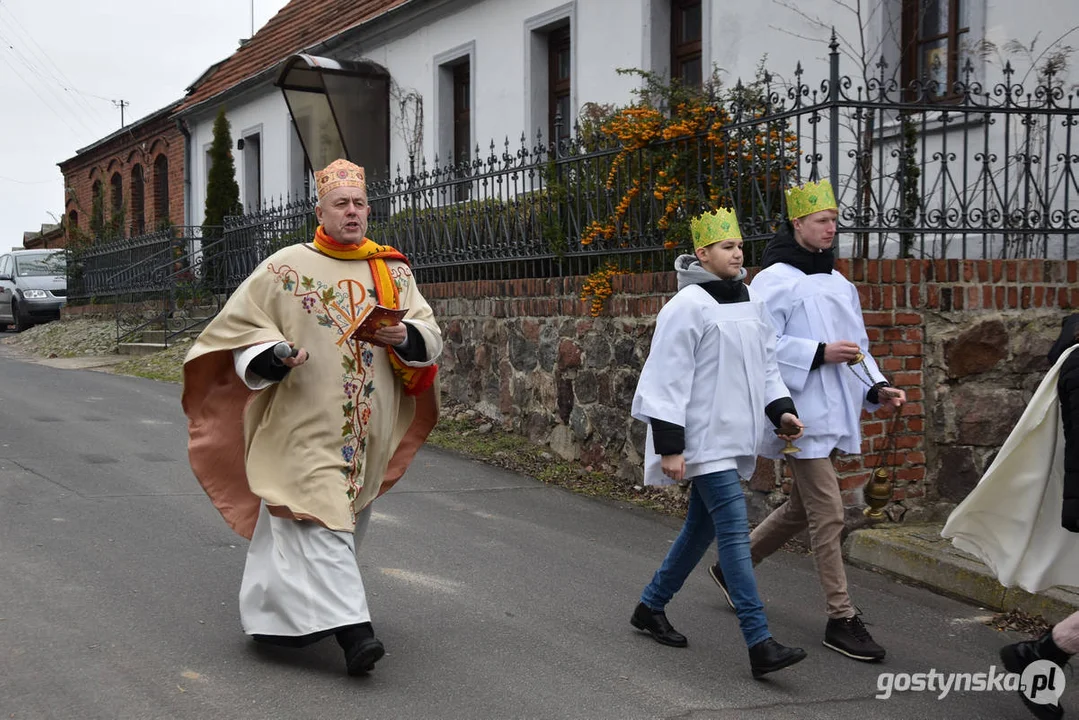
point(138, 201)
point(72, 222)
point(161, 190)
point(97, 209)
point(117, 205)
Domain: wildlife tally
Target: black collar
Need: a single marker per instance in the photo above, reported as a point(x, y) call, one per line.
point(726, 291)
point(783, 248)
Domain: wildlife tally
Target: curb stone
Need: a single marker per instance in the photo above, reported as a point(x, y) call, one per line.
point(918, 553)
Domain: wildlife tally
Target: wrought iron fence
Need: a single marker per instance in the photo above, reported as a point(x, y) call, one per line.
point(984, 172)
point(981, 173)
point(101, 271)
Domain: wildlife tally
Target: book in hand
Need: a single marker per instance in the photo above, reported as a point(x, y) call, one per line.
point(377, 317)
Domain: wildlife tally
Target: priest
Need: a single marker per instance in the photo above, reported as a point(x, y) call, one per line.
point(296, 425)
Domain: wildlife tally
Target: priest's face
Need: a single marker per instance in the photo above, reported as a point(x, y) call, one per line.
point(723, 259)
point(815, 231)
point(342, 212)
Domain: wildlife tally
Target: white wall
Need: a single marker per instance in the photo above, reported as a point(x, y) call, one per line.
point(741, 37)
point(607, 34)
point(263, 111)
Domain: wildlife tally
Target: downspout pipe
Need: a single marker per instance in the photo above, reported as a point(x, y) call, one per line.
point(181, 125)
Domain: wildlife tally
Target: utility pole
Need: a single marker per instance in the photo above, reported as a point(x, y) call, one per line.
point(121, 104)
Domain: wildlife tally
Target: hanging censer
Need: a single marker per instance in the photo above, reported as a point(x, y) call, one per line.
point(878, 490)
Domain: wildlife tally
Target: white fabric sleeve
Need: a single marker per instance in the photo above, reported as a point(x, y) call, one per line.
point(774, 387)
point(862, 339)
point(794, 355)
point(241, 359)
point(666, 382)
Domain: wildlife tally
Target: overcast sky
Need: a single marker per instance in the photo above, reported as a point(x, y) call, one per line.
point(64, 61)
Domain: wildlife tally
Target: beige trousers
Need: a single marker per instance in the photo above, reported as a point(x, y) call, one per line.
point(815, 503)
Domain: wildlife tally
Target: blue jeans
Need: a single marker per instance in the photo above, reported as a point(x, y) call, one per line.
point(717, 509)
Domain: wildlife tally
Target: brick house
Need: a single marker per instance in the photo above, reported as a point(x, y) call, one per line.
point(139, 170)
point(50, 236)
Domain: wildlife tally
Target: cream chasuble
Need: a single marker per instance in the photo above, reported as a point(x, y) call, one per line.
point(1011, 520)
point(339, 429)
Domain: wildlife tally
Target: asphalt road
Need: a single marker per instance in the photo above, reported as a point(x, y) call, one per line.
point(496, 596)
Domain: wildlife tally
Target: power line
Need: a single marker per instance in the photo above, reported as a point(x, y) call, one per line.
point(40, 97)
point(59, 77)
point(59, 99)
point(26, 182)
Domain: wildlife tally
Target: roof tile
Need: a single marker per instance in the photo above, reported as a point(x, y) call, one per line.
point(296, 26)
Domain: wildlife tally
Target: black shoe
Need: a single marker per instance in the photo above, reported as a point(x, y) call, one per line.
point(1016, 658)
point(656, 624)
point(849, 637)
point(717, 574)
point(768, 656)
point(362, 648)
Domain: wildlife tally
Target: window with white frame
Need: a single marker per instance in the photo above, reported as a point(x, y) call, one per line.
point(550, 72)
point(686, 56)
point(559, 83)
point(935, 44)
point(252, 151)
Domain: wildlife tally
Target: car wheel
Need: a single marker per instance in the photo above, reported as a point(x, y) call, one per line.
point(21, 323)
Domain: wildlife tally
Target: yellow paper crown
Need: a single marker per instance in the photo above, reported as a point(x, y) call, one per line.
point(810, 198)
point(339, 173)
point(716, 226)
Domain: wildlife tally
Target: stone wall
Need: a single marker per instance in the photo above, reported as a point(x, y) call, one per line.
point(965, 339)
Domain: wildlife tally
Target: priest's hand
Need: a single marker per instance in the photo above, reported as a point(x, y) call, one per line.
point(674, 466)
point(790, 427)
point(296, 360)
point(892, 396)
point(840, 351)
point(393, 335)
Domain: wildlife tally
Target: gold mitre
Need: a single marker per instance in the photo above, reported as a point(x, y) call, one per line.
point(715, 226)
point(339, 173)
point(810, 198)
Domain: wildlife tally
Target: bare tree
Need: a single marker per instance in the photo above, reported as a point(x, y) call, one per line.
point(408, 120)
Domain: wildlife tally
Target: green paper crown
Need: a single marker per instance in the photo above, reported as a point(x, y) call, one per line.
point(810, 198)
point(716, 226)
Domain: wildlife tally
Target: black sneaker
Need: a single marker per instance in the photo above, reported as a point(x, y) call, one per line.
point(849, 637)
point(717, 574)
point(656, 624)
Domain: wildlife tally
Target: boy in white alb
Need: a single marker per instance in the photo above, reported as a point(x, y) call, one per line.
point(708, 389)
point(819, 319)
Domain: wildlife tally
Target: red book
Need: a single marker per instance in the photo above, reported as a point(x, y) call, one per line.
point(377, 317)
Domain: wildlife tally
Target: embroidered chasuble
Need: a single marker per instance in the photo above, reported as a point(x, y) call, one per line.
point(340, 429)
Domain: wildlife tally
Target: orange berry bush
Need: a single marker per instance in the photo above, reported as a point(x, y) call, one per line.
point(681, 151)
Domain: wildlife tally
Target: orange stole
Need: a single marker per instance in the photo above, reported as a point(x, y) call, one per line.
point(418, 382)
point(415, 379)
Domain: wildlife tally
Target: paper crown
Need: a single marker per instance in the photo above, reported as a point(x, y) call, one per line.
point(810, 198)
point(716, 226)
point(339, 173)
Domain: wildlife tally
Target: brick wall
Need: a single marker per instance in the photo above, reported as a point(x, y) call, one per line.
point(142, 145)
point(527, 353)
